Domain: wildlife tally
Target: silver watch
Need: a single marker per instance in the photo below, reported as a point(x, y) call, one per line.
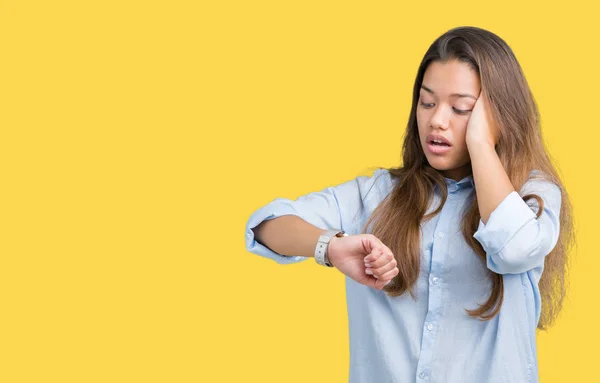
point(323, 245)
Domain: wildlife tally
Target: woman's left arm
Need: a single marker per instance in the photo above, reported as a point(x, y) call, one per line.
point(491, 181)
point(514, 239)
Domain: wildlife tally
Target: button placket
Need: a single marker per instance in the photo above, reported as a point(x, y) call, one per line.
point(438, 256)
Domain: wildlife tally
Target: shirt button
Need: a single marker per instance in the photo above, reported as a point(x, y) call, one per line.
point(423, 374)
point(429, 327)
point(440, 234)
point(435, 280)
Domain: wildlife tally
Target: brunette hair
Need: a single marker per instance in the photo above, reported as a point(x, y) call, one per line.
point(397, 220)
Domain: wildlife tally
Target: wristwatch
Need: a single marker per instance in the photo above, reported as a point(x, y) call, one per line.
point(323, 245)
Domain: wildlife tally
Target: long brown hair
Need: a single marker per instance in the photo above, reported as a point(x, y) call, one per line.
point(397, 220)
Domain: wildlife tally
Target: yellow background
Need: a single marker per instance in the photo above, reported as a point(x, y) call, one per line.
point(137, 137)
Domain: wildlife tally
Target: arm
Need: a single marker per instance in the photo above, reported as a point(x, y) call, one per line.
point(290, 240)
point(491, 181)
point(289, 235)
point(514, 239)
point(287, 231)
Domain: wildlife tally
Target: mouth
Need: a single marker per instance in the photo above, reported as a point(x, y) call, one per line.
point(437, 144)
point(437, 140)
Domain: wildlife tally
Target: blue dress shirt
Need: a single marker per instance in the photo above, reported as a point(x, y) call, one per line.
point(432, 339)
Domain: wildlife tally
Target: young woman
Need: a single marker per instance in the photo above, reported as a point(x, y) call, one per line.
point(453, 259)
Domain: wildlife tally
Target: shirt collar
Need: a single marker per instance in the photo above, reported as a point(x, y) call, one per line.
point(465, 182)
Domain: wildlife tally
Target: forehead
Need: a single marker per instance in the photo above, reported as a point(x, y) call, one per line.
point(445, 78)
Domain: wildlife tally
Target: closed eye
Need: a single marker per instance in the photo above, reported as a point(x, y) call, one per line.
point(460, 111)
point(457, 111)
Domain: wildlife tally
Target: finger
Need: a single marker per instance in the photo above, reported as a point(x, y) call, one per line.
point(378, 272)
point(373, 255)
point(380, 284)
point(389, 275)
point(371, 244)
point(370, 281)
point(383, 259)
point(377, 250)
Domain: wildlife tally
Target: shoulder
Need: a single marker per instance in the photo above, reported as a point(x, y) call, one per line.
point(377, 185)
point(364, 190)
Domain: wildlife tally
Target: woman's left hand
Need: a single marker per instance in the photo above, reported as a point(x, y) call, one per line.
point(481, 130)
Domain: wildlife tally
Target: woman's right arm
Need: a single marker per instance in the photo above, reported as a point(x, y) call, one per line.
point(287, 231)
point(292, 236)
point(288, 235)
point(339, 207)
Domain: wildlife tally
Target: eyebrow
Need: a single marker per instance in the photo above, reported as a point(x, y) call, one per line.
point(453, 94)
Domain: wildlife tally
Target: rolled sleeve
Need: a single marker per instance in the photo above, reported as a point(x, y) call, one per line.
point(514, 239)
point(274, 209)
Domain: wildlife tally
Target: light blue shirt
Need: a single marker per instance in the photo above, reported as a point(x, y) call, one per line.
point(432, 339)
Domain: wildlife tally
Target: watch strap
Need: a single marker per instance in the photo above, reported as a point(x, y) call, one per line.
point(323, 245)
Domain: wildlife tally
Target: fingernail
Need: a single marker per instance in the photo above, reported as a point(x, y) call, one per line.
point(367, 264)
point(369, 271)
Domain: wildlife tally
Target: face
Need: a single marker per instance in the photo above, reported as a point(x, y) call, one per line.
point(447, 97)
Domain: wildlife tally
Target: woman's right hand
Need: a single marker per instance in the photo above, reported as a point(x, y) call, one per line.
point(364, 258)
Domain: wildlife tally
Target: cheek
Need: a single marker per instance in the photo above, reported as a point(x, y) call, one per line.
point(421, 123)
point(420, 117)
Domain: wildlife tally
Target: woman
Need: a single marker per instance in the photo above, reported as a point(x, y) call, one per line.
point(453, 259)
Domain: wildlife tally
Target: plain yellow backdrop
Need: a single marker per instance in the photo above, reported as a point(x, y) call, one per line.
point(137, 137)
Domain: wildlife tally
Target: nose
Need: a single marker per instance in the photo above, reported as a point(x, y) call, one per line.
point(440, 118)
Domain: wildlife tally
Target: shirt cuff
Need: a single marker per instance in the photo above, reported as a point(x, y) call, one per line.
point(266, 213)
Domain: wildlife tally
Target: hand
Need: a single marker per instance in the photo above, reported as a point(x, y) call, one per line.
point(481, 129)
point(364, 258)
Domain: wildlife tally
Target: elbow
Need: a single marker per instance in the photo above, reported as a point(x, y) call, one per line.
point(525, 251)
point(510, 262)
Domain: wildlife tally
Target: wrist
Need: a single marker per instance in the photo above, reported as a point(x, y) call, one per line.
point(322, 247)
point(332, 249)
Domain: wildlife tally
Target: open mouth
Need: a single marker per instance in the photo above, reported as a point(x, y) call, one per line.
point(438, 140)
point(438, 143)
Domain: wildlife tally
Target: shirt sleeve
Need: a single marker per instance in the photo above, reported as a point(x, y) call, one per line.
point(515, 241)
point(335, 207)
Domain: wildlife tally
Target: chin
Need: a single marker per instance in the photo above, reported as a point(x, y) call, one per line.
point(441, 164)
